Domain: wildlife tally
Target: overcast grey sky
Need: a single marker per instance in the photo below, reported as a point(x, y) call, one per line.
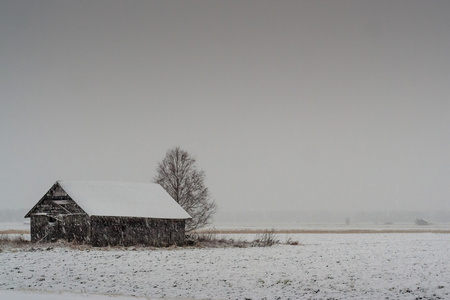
point(287, 105)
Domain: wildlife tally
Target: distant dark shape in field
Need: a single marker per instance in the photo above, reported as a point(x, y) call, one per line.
point(422, 222)
point(103, 213)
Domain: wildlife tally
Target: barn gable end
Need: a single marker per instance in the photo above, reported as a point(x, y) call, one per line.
point(55, 202)
point(57, 216)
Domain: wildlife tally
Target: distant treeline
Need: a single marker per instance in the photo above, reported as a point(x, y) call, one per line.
point(334, 217)
point(13, 215)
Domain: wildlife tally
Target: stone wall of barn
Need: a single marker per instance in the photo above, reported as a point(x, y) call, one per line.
point(127, 231)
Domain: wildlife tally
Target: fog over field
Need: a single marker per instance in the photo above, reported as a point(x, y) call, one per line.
point(298, 106)
point(324, 120)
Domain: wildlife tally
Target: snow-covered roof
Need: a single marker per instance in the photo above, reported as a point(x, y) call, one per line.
point(123, 199)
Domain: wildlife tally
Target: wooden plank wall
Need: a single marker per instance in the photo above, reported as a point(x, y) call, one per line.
point(126, 231)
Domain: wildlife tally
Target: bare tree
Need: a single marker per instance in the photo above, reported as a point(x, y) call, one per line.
point(177, 173)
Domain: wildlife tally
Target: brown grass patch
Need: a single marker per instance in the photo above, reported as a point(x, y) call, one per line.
point(14, 231)
point(319, 231)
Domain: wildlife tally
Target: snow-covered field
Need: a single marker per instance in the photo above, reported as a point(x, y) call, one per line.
point(410, 227)
point(33, 295)
point(324, 266)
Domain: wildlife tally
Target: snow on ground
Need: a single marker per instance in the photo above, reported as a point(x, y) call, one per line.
point(28, 295)
point(336, 266)
point(330, 226)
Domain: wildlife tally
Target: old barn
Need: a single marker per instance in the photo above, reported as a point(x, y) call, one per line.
point(103, 213)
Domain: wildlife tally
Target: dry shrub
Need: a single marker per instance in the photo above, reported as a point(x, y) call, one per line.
point(211, 240)
point(291, 242)
point(265, 239)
